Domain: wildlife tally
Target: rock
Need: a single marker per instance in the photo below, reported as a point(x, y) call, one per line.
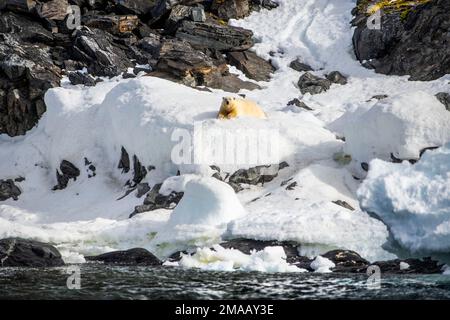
point(142, 189)
point(68, 171)
point(379, 97)
point(344, 204)
point(117, 25)
point(296, 102)
point(53, 10)
point(79, 77)
point(138, 7)
point(99, 49)
point(155, 200)
point(139, 170)
point(131, 257)
point(231, 9)
point(297, 65)
point(17, 252)
point(409, 43)
point(163, 7)
point(266, 4)
point(198, 14)
point(347, 261)
point(365, 166)
point(251, 65)
point(337, 77)
point(309, 83)
point(8, 189)
point(215, 36)
point(444, 98)
point(124, 162)
point(20, 6)
point(26, 72)
point(410, 266)
point(177, 14)
point(255, 175)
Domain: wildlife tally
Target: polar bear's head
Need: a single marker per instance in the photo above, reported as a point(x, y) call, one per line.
point(227, 104)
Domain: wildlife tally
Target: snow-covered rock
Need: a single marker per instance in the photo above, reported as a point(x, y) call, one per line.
point(412, 200)
point(402, 125)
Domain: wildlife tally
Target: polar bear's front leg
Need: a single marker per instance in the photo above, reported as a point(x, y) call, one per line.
point(233, 114)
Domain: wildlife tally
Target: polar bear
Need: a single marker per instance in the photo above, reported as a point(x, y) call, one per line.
point(235, 107)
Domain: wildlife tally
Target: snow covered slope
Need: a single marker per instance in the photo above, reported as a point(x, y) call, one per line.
point(141, 115)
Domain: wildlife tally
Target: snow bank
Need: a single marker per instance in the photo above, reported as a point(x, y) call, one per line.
point(412, 200)
point(403, 125)
point(306, 214)
point(271, 259)
point(322, 265)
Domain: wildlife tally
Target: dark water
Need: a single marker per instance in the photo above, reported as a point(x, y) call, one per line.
point(104, 282)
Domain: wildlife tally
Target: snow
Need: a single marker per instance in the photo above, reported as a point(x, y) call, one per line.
point(404, 266)
point(412, 200)
point(270, 259)
point(402, 125)
point(152, 118)
point(322, 265)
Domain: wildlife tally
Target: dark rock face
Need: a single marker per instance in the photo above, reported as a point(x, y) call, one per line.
point(266, 4)
point(299, 66)
point(124, 162)
point(309, 83)
point(347, 261)
point(251, 65)
point(337, 77)
point(131, 257)
point(444, 98)
point(298, 103)
point(414, 44)
point(215, 36)
point(416, 266)
point(8, 189)
point(67, 171)
point(255, 175)
point(231, 9)
point(155, 200)
point(17, 252)
point(78, 77)
point(344, 204)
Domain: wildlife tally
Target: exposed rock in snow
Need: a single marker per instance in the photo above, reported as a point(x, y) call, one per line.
point(17, 252)
point(8, 189)
point(133, 257)
point(309, 83)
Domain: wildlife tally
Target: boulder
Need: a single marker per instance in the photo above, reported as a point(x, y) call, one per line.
point(131, 257)
point(162, 8)
point(337, 77)
point(67, 171)
point(17, 252)
point(79, 77)
point(412, 41)
point(215, 36)
point(299, 66)
point(344, 204)
point(124, 162)
point(251, 65)
point(309, 83)
point(138, 7)
point(265, 4)
point(8, 189)
point(231, 9)
point(114, 24)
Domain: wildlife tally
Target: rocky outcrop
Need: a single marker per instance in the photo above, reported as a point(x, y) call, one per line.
point(131, 257)
point(337, 77)
point(8, 189)
point(17, 252)
point(251, 65)
point(347, 261)
point(410, 42)
point(309, 83)
point(300, 66)
point(410, 266)
point(178, 40)
point(155, 200)
point(66, 172)
point(300, 104)
point(231, 9)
